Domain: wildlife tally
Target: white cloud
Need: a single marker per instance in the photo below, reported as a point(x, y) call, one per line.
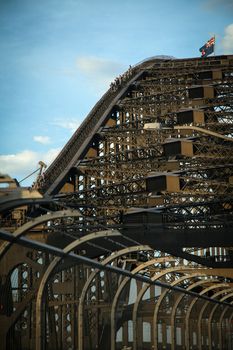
point(49, 156)
point(101, 71)
point(69, 124)
point(96, 65)
point(227, 42)
point(211, 5)
point(42, 139)
point(21, 164)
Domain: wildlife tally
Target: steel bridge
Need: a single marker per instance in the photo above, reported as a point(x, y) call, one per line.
point(125, 241)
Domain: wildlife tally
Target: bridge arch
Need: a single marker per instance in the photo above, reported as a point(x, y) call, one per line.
point(152, 160)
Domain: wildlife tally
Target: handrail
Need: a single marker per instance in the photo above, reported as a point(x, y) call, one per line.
point(82, 136)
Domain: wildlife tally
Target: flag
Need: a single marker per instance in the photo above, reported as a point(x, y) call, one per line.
point(208, 48)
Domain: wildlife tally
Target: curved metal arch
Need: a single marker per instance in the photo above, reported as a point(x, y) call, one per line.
point(92, 276)
point(154, 278)
point(24, 201)
point(193, 285)
point(37, 221)
point(122, 286)
point(21, 259)
point(142, 292)
point(231, 327)
point(220, 324)
point(207, 272)
point(199, 332)
point(189, 310)
point(50, 269)
point(162, 296)
point(9, 321)
point(210, 319)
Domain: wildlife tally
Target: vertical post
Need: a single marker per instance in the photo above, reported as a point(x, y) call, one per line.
point(214, 44)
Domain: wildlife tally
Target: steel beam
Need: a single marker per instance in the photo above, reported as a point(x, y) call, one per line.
point(122, 286)
point(189, 310)
point(199, 327)
point(90, 279)
point(35, 222)
point(93, 263)
point(160, 300)
point(47, 274)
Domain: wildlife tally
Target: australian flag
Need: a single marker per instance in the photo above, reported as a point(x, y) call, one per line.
point(208, 48)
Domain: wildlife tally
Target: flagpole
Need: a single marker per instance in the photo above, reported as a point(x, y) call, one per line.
point(214, 44)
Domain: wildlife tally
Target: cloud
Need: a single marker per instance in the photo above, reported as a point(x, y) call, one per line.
point(69, 124)
point(50, 155)
point(21, 164)
point(227, 41)
point(101, 71)
point(213, 4)
point(44, 140)
point(96, 65)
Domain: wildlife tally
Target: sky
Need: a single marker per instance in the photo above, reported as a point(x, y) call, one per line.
point(58, 57)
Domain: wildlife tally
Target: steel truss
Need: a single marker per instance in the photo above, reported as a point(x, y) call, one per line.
point(126, 241)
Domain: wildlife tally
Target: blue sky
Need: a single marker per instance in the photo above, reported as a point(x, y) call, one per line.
point(57, 57)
